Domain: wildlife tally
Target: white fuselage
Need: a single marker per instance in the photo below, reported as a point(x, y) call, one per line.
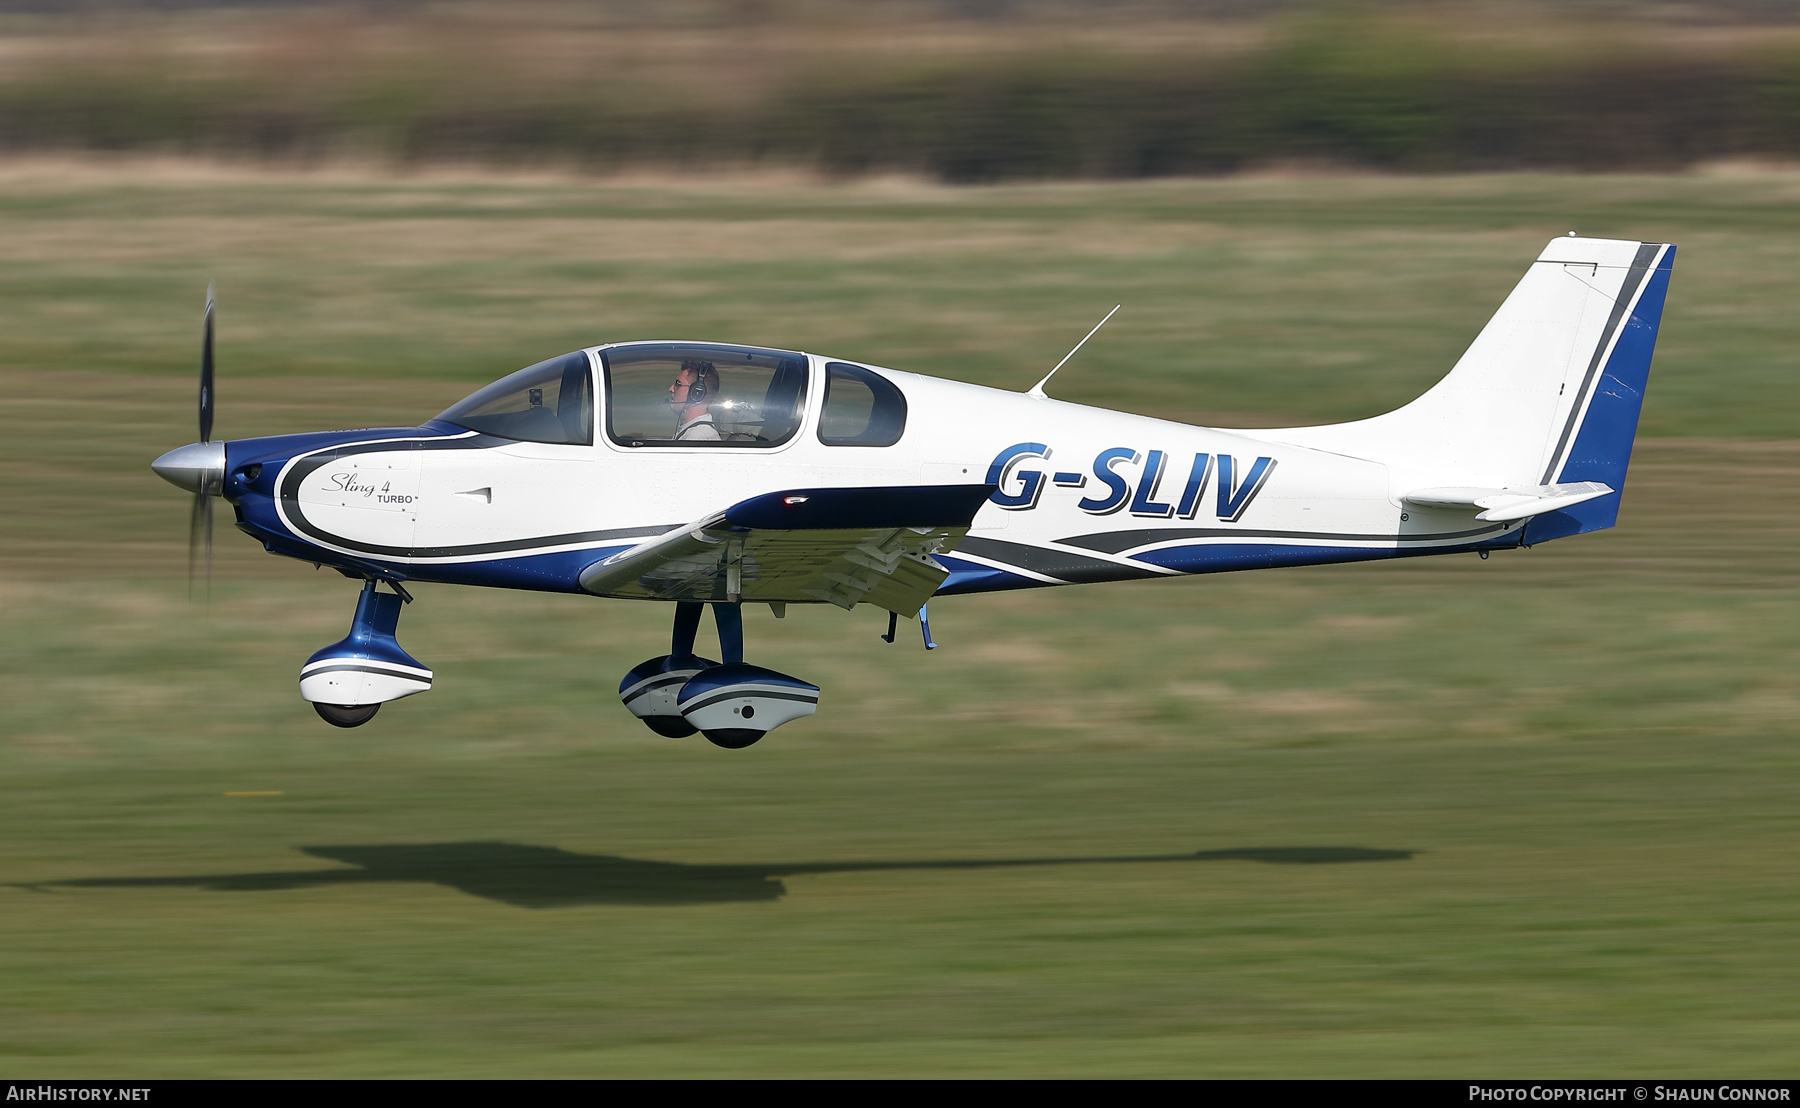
point(1082, 493)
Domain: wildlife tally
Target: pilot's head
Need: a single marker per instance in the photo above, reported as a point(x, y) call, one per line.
point(694, 388)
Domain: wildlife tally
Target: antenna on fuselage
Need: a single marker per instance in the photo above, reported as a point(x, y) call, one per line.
point(1037, 390)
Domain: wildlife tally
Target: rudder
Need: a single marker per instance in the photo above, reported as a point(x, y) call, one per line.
point(1595, 443)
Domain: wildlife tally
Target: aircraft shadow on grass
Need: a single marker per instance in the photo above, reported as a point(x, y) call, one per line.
point(546, 877)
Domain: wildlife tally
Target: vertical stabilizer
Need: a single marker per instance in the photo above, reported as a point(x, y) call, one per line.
point(1594, 443)
point(1548, 394)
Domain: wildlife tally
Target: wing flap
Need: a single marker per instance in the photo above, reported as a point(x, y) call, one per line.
point(837, 546)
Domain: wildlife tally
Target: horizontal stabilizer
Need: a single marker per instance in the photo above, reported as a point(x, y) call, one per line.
point(1502, 505)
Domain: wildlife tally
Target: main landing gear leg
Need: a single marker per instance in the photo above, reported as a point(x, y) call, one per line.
point(730, 618)
point(687, 625)
point(736, 704)
point(649, 690)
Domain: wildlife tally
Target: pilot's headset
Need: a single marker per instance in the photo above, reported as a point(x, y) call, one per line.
point(706, 382)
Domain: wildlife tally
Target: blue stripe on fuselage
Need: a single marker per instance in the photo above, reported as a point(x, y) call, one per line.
point(1222, 557)
point(966, 576)
point(971, 577)
point(275, 450)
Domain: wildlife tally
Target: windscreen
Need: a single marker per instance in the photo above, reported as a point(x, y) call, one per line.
point(552, 401)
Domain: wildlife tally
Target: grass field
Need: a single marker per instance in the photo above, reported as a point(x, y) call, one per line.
point(1531, 816)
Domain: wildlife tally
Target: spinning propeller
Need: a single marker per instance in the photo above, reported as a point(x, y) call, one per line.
point(199, 467)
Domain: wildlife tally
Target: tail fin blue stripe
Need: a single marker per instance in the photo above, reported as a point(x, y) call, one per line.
point(1602, 449)
point(1645, 255)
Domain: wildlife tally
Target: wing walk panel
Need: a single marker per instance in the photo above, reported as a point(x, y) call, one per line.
point(838, 546)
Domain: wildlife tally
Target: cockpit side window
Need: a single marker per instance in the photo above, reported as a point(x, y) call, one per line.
point(552, 401)
point(862, 408)
point(703, 394)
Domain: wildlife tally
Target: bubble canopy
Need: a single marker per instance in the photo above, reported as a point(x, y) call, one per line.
point(748, 397)
point(552, 401)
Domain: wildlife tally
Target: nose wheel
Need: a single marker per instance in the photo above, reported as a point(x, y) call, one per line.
point(346, 715)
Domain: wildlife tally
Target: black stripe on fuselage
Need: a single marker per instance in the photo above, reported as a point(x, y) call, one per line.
point(301, 469)
point(1060, 564)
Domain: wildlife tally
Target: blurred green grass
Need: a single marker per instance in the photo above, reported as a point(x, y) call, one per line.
point(1013, 92)
point(1530, 816)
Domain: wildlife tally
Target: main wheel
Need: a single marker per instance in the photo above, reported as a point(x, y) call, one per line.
point(734, 738)
point(346, 715)
point(669, 727)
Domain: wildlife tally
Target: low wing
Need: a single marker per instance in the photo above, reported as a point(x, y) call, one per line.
point(840, 546)
point(1502, 505)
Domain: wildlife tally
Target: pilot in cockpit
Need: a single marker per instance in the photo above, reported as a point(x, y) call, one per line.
point(691, 398)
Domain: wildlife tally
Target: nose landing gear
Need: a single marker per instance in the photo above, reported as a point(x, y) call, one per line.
point(733, 704)
point(349, 681)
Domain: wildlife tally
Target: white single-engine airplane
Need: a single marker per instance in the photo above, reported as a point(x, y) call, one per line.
point(704, 473)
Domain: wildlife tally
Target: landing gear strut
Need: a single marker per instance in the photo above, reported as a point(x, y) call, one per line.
point(348, 681)
point(733, 704)
point(650, 689)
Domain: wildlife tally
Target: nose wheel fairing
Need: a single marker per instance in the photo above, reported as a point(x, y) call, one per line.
point(367, 666)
